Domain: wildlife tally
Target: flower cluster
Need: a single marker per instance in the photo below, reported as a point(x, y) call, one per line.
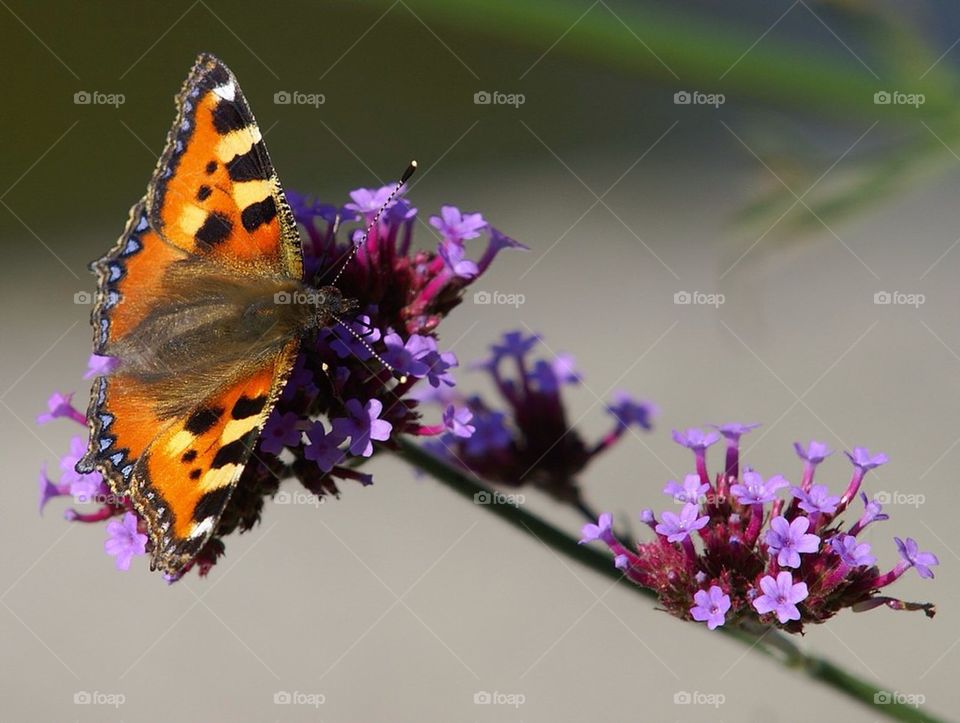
point(350, 387)
point(784, 560)
point(532, 442)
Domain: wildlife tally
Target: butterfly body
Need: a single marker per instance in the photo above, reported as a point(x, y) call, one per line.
point(203, 305)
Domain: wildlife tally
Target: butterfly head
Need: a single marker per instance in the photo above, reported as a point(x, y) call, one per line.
point(330, 306)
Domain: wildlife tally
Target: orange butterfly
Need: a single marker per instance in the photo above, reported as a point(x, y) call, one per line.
point(187, 302)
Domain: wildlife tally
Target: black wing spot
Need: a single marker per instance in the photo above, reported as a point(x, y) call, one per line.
point(195, 473)
point(203, 420)
point(247, 407)
point(203, 193)
point(249, 166)
point(211, 504)
point(257, 214)
point(233, 453)
point(215, 230)
point(227, 117)
point(189, 456)
point(211, 168)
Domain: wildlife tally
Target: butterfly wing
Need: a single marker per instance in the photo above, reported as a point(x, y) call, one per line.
point(214, 191)
point(214, 196)
point(184, 479)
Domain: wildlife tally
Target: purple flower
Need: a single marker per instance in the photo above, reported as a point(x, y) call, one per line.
point(439, 365)
point(367, 201)
point(780, 595)
point(850, 551)
point(603, 530)
point(125, 540)
point(515, 344)
point(100, 366)
point(490, 434)
point(872, 512)
point(754, 491)
point(408, 357)
point(60, 405)
point(627, 410)
point(281, 430)
point(345, 344)
point(735, 430)
point(621, 562)
point(678, 528)
point(690, 492)
point(457, 421)
point(818, 499)
point(48, 490)
point(788, 539)
point(814, 452)
point(454, 256)
point(711, 606)
point(910, 553)
point(498, 242)
point(863, 460)
point(324, 446)
point(458, 227)
point(695, 439)
point(363, 426)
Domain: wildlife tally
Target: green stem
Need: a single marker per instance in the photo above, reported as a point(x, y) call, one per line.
point(768, 641)
point(687, 50)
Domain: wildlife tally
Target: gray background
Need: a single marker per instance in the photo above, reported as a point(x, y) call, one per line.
point(401, 601)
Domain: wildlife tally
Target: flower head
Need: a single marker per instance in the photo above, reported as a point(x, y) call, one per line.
point(814, 452)
point(677, 528)
point(711, 607)
point(789, 539)
point(863, 460)
point(532, 441)
point(852, 553)
point(911, 555)
point(781, 595)
point(603, 530)
point(755, 491)
point(695, 439)
point(690, 491)
point(125, 540)
point(817, 500)
point(747, 538)
point(458, 227)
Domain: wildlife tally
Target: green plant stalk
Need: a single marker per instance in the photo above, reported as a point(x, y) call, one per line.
point(768, 641)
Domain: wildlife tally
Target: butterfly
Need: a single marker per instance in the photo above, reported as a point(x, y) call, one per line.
point(203, 305)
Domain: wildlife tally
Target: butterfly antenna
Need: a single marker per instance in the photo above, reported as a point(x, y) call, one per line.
point(402, 378)
point(376, 219)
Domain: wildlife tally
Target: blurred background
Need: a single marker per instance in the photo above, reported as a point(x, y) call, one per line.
point(789, 168)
